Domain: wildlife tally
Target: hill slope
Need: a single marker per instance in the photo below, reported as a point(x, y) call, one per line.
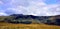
point(18, 21)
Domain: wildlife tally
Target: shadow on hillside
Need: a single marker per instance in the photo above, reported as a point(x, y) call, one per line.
point(56, 22)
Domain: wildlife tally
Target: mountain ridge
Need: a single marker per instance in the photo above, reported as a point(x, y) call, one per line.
point(28, 19)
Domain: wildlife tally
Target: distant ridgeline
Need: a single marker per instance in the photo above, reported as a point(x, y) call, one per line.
point(30, 19)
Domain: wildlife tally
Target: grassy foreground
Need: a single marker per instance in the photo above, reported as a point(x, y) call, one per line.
point(4, 25)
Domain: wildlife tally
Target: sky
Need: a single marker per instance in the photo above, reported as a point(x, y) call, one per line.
point(30, 7)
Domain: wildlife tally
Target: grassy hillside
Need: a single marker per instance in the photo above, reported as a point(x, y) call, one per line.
point(34, 25)
point(4, 25)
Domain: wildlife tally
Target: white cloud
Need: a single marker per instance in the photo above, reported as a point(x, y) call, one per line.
point(2, 13)
point(36, 8)
point(1, 2)
point(33, 7)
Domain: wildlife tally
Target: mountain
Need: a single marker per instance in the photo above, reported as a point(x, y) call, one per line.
point(29, 16)
point(28, 19)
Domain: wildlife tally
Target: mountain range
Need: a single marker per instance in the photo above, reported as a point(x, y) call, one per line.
point(29, 19)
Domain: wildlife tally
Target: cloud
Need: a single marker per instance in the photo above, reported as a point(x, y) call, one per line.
point(2, 13)
point(32, 7)
point(54, 9)
point(1, 2)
